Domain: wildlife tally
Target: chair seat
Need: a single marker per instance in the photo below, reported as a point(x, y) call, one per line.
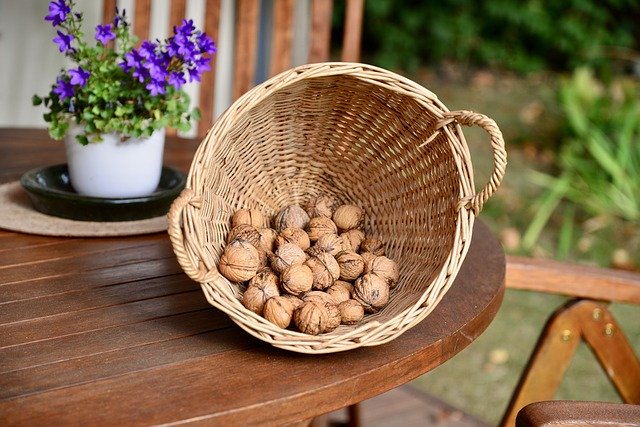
point(578, 413)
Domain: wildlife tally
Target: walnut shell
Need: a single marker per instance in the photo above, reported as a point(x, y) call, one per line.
point(314, 250)
point(367, 257)
point(351, 239)
point(296, 236)
point(319, 226)
point(347, 217)
point(311, 318)
point(340, 291)
point(245, 232)
point(239, 261)
point(322, 205)
point(262, 286)
point(330, 242)
point(370, 244)
point(268, 238)
point(385, 268)
point(296, 301)
point(292, 216)
point(329, 303)
point(351, 312)
point(248, 216)
point(372, 292)
point(325, 270)
point(351, 265)
point(296, 279)
point(286, 255)
point(279, 311)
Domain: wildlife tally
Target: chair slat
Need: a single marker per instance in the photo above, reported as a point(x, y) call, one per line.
point(352, 31)
point(177, 12)
point(142, 19)
point(320, 31)
point(109, 10)
point(247, 15)
point(207, 89)
point(281, 41)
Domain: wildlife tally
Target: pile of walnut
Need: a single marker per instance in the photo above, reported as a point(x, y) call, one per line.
point(315, 268)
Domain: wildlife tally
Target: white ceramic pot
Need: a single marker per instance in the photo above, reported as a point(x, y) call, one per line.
point(113, 168)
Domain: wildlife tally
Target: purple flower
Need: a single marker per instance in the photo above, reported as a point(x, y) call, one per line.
point(187, 28)
point(64, 41)
point(58, 12)
point(206, 44)
point(194, 75)
point(63, 88)
point(176, 79)
point(156, 87)
point(203, 64)
point(104, 34)
point(79, 76)
point(147, 49)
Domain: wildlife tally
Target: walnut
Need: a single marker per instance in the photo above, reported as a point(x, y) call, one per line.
point(351, 312)
point(311, 318)
point(351, 265)
point(375, 246)
point(347, 217)
point(322, 205)
point(287, 255)
point(296, 279)
point(340, 291)
point(245, 232)
point(351, 239)
point(239, 261)
point(330, 242)
point(296, 301)
point(367, 257)
point(314, 250)
point(319, 226)
point(385, 268)
point(262, 286)
point(279, 311)
point(325, 270)
point(294, 235)
point(372, 292)
point(293, 216)
point(247, 216)
point(268, 238)
point(329, 303)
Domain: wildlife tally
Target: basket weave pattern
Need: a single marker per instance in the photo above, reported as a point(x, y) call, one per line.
point(366, 135)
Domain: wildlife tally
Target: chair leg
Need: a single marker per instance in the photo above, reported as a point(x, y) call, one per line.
point(549, 361)
point(612, 349)
point(354, 415)
point(579, 319)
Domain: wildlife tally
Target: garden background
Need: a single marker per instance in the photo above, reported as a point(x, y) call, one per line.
point(562, 80)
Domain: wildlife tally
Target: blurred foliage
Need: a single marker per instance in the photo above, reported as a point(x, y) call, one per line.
point(516, 35)
point(596, 187)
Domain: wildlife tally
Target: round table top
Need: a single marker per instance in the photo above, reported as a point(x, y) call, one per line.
point(111, 331)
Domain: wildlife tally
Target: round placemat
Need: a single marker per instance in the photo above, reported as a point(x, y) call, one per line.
point(17, 214)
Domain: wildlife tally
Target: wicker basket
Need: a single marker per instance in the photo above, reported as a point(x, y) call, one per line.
point(364, 134)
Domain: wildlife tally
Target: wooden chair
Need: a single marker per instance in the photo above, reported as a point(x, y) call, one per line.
point(245, 40)
point(584, 318)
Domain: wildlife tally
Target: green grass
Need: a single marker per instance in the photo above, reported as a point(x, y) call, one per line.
point(481, 379)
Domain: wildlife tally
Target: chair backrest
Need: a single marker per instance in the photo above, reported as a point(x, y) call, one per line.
point(247, 38)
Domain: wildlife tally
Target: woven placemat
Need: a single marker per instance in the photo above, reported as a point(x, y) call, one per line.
point(17, 214)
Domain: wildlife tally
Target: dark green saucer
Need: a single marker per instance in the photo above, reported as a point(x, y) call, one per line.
point(51, 193)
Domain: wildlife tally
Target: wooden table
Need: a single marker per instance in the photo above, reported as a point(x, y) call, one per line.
point(111, 331)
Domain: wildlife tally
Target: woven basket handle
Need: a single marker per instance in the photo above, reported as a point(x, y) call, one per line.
point(470, 118)
point(174, 220)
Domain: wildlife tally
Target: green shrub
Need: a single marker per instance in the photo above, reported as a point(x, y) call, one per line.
point(519, 35)
point(598, 180)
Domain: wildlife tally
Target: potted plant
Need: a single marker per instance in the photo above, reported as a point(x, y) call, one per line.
point(113, 103)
